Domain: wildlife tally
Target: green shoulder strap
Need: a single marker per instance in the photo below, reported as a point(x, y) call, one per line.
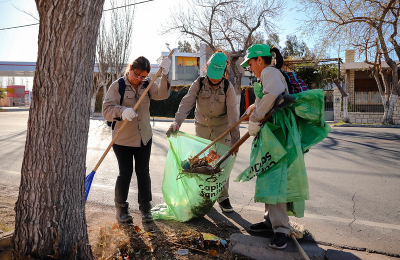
point(258, 90)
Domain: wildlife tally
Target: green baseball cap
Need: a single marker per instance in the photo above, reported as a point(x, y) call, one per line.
point(216, 66)
point(254, 51)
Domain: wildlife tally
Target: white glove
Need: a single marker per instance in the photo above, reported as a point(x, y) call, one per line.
point(250, 109)
point(173, 128)
point(128, 114)
point(165, 64)
point(254, 128)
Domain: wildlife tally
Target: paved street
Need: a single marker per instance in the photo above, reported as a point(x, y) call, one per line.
point(354, 178)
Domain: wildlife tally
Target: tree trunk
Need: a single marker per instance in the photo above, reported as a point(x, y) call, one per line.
point(388, 110)
point(345, 98)
point(93, 99)
point(50, 211)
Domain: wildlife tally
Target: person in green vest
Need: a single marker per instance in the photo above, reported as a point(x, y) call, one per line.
point(282, 182)
point(259, 59)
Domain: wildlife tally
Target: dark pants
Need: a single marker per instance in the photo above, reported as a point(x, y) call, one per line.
point(125, 155)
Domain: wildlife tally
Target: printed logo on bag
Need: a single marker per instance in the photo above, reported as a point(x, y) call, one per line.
point(261, 167)
point(212, 190)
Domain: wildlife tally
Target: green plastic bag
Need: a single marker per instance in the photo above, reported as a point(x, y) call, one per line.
point(294, 129)
point(190, 195)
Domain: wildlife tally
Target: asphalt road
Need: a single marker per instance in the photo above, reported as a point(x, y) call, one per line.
point(354, 179)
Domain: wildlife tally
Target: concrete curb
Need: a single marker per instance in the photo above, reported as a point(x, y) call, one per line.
point(258, 248)
point(367, 125)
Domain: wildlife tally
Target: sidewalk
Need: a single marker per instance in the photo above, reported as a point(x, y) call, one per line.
point(13, 109)
point(257, 248)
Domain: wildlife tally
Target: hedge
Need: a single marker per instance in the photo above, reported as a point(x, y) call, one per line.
point(168, 107)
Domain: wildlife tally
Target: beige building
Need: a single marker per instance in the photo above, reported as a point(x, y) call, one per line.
point(364, 101)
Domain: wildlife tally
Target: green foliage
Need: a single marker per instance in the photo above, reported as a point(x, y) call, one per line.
point(185, 46)
point(317, 77)
point(295, 49)
point(273, 39)
point(169, 106)
point(3, 92)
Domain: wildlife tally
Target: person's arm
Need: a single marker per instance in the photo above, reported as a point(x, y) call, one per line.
point(233, 113)
point(273, 85)
point(187, 102)
point(161, 91)
point(112, 110)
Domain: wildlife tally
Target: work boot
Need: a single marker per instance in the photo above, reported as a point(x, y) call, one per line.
point(279, 241)
point(261, 227)
point(145, 209)
point(226, 206)
point(123, 216)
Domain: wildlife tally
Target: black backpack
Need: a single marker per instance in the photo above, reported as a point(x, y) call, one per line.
point(226, 85)
point(121, 90)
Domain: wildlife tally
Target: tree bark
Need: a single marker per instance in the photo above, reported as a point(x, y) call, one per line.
point(345, 98)
point(50, 211)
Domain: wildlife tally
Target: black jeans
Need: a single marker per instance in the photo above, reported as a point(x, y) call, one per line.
point(125, 155)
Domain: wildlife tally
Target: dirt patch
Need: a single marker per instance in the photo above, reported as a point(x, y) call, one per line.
point(158, 240)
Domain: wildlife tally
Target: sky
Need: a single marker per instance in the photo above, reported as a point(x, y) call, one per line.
point(20, 44)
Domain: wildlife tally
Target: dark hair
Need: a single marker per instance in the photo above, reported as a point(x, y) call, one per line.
point(268, 59)
point(141, 63)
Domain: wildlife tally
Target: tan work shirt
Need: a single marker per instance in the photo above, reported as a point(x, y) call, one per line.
point(139, 129)
point(274, 84)
point(212, 105)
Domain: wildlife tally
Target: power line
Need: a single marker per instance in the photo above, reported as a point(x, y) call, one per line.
point(127, 5)
point(103, 11)
point(19, 26)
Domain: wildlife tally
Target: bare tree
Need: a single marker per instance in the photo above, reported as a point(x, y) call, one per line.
point(104, 61)
point(346, 22)
point(227, 24)
point(120, 36)
point(50, 211)
point(10, 81)
point(113, 47)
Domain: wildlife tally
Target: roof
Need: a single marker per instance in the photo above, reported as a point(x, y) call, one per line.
point(361, 65)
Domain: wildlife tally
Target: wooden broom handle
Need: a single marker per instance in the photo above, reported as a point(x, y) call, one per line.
point(245, 116)
point(134, 109)
point(239, 143)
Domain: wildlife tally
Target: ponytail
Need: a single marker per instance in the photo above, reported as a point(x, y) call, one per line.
point(278, 58)
point(268, 59)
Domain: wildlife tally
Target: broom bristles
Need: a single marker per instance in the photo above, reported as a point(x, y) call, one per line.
point(296, 229)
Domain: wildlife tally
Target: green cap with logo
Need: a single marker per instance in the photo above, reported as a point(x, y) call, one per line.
point(255, 51)
point(216, 66)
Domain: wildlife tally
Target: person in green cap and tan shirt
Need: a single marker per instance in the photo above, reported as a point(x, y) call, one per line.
point(216, 109)
point(259, 59)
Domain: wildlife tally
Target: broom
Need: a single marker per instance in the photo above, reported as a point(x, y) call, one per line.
point(90, 176)
point(296, 231)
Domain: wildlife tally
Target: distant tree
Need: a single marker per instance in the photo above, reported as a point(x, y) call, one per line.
point(185, 46)
point(3, 92)
point(113, 47)
point(317, 77)
point(350, 23)
point(10, 81)
point(295, 49)
point(273, 40)
point(230, 25)
point(50, 220)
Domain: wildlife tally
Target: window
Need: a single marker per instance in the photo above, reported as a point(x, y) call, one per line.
point(368, 97)
point(186, 61)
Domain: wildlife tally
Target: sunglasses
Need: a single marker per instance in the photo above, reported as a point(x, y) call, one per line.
point(138, 77)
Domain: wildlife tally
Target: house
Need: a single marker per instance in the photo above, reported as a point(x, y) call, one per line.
point(364, 100)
